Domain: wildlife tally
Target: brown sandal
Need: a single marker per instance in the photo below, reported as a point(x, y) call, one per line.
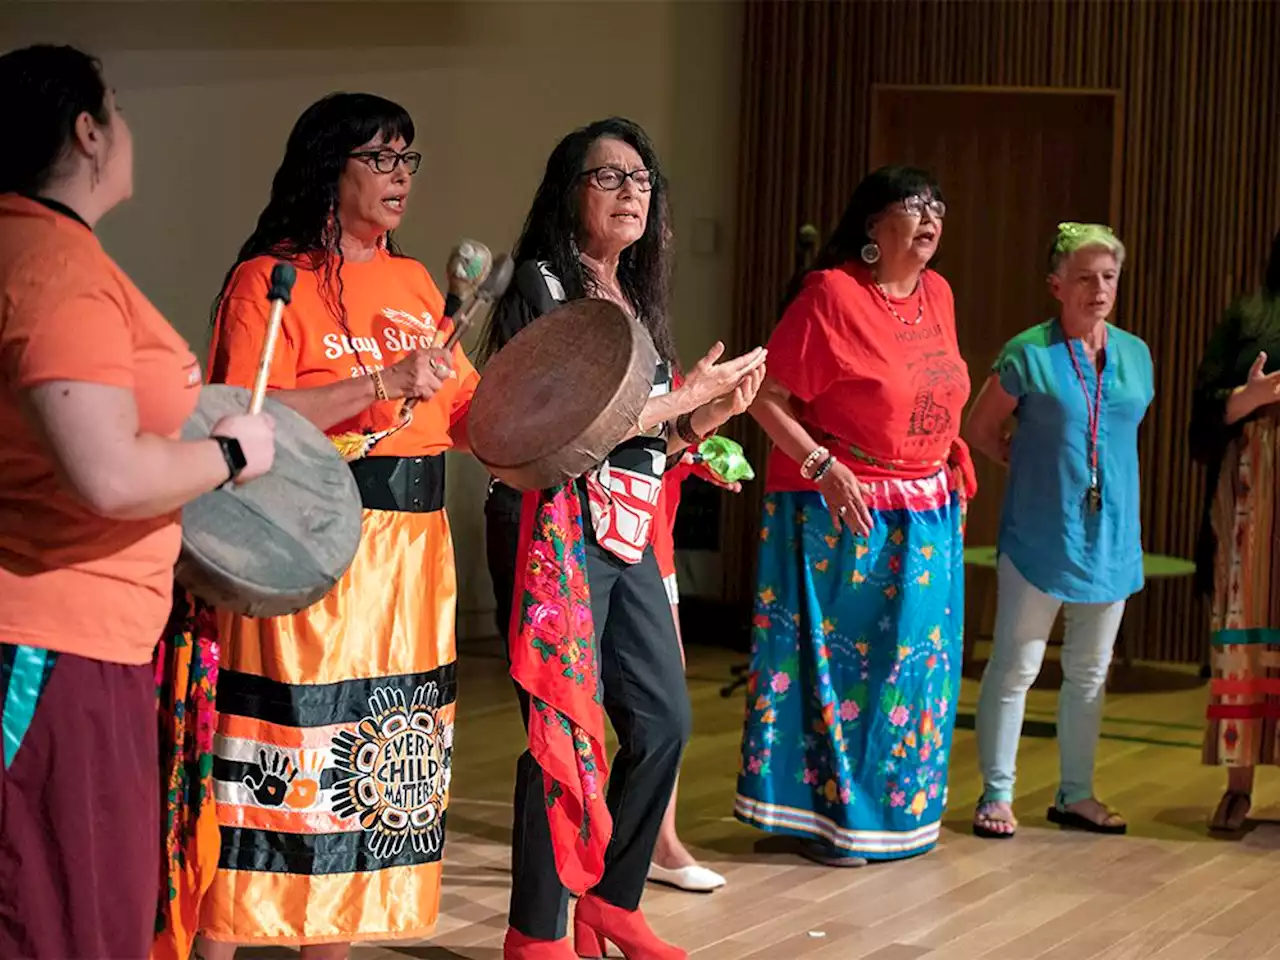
point(1222, 820)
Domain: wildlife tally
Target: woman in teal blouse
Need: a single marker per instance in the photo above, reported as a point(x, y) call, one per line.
point(1070, 532)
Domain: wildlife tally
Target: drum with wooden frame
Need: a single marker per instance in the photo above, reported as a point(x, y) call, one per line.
point(277, 544)
point(561, 394)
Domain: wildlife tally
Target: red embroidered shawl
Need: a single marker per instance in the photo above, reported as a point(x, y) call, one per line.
point(555, 660)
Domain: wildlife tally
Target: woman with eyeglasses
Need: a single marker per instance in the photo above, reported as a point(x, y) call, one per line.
point(599, 228)
point(335, 724)
point(859, 613)
point(1077, 388)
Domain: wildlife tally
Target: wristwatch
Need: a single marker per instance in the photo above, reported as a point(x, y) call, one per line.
point(233, 454)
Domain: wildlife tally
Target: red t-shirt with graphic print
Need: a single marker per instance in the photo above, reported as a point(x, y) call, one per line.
point(861, 369)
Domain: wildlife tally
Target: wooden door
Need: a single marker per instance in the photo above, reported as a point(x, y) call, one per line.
point(1012, 164)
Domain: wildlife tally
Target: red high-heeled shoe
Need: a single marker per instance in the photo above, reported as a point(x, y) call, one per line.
point(595, 921)
point(519, 947)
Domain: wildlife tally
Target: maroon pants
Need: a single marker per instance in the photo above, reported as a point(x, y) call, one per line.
point(79, 807)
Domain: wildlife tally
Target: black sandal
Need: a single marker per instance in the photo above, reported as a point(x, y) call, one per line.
point(1070, 820)
point(986, 833)
point(819, 851)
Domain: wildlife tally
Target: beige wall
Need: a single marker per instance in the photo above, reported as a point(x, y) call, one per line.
point(211, 90)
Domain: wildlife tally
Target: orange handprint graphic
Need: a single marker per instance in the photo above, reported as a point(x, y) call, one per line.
point(305, 787)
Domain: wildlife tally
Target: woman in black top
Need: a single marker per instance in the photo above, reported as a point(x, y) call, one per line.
point(598, 228)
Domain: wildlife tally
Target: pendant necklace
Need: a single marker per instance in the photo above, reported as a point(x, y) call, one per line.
point(1093, 498)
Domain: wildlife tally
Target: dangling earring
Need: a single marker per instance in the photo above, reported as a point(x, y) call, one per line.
point(95, 173)
point(871, 253)
point(383, 242)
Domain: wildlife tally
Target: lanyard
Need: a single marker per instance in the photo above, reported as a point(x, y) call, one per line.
point(1095, 415)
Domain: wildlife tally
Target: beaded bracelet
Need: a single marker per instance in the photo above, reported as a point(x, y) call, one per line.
point(379, 388)
point(812, 460)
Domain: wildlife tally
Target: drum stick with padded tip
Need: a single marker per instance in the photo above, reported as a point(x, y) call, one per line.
point(281, 292)
point(469, 266)
point(489, 292)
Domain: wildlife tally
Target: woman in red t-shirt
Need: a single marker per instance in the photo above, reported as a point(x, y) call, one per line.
point(857, 627)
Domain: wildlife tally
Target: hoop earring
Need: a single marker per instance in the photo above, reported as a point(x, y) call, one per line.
point(870, 253)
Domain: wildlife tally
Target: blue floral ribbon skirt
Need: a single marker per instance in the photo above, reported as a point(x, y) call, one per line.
point(855, 671)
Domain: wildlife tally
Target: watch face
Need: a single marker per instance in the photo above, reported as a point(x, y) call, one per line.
point(233, 454)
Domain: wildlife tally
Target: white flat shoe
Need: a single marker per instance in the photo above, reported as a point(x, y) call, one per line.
point(693, 879)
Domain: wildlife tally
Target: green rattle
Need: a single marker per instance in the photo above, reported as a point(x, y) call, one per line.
point(725, 459)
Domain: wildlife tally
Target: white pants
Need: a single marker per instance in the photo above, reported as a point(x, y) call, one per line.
point(1024, 618)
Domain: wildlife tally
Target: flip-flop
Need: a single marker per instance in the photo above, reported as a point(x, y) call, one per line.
point(986, 833)
point(1231, 798)
point(1071, 820)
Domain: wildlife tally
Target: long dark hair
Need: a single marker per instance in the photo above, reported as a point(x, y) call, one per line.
point(877, 191)
point(43, 91)
point(551, 230)
point(300, 221)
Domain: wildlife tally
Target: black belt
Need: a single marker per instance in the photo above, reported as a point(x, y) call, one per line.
point(406, 484)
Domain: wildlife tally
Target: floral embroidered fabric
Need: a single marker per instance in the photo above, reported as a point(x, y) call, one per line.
point(554, 658)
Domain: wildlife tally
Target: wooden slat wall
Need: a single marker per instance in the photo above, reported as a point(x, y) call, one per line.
point(1199, 189)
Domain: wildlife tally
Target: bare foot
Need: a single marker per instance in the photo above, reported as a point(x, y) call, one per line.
point(995, 818)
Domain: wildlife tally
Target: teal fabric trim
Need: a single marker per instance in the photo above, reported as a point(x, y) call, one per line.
point(1223, 638)
point(28, 674)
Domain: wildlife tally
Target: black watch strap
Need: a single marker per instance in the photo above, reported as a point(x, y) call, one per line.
point(233, 454)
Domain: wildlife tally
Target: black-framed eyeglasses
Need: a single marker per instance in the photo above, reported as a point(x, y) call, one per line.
point(916, 205)
point(611, 178)
point(385, 161)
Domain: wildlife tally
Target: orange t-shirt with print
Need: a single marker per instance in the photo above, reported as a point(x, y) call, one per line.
point(70, 580)
point(393, 308)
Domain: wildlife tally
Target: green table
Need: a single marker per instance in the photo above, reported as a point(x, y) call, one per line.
point(1155, 566)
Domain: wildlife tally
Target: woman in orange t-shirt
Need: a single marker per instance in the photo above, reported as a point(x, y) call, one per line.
point(94, 388)
point(335, 724)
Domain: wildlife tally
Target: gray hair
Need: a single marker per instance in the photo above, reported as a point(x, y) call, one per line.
point(1074, 237)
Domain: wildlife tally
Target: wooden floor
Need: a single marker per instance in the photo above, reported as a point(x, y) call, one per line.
point(1168, 891)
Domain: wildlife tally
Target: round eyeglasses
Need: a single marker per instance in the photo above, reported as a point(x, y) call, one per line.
point(916, 205)
point(386, 161)
point(611, 178)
